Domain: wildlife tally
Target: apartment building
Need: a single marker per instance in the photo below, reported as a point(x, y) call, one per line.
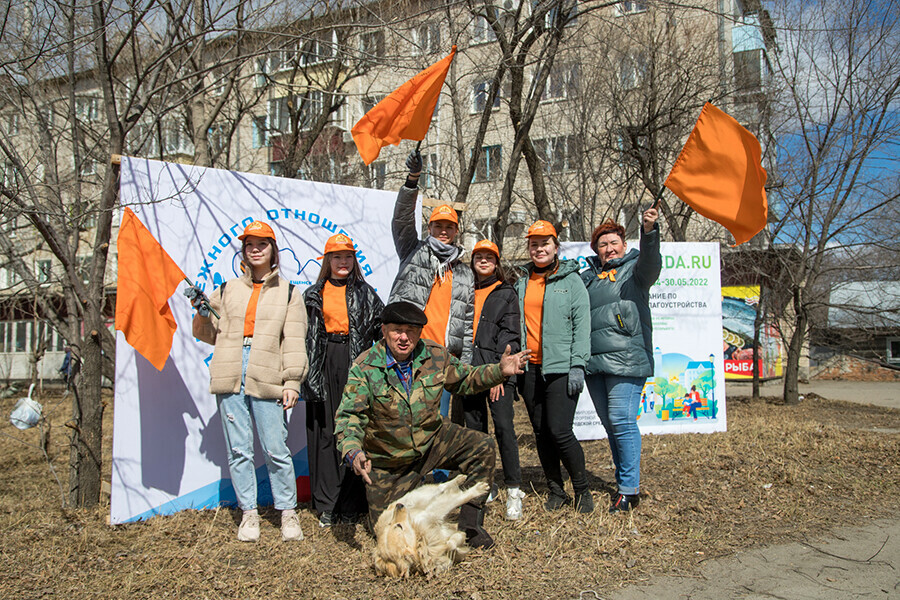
point(562, 109)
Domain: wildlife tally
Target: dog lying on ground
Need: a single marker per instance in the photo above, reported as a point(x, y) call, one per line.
point(412, 536)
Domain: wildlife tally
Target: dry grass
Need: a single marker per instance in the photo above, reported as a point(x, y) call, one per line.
point(779, 473)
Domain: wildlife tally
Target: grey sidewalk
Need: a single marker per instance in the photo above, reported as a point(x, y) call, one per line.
point(878, 393)
point(857, 562)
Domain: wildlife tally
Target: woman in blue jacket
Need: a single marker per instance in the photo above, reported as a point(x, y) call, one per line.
point(618, 283)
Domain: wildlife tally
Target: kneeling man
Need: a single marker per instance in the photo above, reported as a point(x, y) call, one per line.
point(389, 427)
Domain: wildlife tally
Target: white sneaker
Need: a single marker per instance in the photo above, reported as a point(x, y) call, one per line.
point(249, 529)
point(290, 526)
point(514, 504)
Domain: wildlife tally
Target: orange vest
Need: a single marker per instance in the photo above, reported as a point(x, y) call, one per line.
point(533, 306)
point(480, 296)
point(334, 308)
point(437, 309)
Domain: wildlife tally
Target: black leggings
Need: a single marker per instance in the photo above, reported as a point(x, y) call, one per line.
point(475, 410)
point(552, 411)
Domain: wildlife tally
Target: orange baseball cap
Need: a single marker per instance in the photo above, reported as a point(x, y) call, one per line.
point(259, 229)
point(541, 228)
point(338, 243)
point(444, 212)
point(486, 245)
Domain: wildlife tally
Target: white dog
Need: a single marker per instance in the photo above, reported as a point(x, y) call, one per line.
point(412, 536)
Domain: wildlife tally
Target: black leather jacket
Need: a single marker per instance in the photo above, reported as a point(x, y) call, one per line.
point(364, 313)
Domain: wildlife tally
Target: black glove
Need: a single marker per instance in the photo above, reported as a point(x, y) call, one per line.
point(576, 381)
point(198, 300)
point(414, 162)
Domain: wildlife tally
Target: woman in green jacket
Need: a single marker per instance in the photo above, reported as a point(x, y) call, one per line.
point(556, 328)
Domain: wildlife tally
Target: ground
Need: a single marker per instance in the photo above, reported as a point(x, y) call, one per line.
point(779, 475)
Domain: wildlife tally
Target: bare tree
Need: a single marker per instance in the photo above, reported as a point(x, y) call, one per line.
point(838, 77)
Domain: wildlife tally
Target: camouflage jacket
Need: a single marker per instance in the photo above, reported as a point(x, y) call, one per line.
point(377, 416)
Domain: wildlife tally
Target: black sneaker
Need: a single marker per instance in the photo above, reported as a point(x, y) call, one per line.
point(584, 503)
point(624, 503)
point(326, 519)
point(556, 502)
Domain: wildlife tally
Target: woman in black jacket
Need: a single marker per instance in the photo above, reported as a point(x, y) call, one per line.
point(496, 326)
point(344, 319)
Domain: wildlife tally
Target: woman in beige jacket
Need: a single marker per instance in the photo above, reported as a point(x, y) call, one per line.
point(257, 367)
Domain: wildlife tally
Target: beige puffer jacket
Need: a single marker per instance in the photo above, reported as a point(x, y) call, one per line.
point(278, 352)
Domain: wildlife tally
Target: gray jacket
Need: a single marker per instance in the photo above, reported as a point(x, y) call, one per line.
point(418, 268)
point(621, 329)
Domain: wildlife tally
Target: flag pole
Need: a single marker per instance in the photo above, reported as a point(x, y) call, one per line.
point(658, 198)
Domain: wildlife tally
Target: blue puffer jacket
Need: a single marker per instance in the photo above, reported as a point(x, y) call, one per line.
point(621, 328)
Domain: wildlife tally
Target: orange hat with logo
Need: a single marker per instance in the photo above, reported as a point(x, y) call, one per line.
point(486, 245)
point(444, 212)
point(338, 243)
point(258, 229)
point(541, 228)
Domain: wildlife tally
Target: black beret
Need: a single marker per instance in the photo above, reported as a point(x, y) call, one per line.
point(403, 313)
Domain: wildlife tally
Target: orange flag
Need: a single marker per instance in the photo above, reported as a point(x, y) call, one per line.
point(404, 115)
point(720, 175)
point(147, 278)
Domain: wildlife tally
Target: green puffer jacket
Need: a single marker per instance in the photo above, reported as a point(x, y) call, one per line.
point(565, 328)
point(621, 328)
point(393, 428)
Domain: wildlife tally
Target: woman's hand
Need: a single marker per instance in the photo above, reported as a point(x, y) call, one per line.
point(649, 219)
point(496, 392)
point(289, 399)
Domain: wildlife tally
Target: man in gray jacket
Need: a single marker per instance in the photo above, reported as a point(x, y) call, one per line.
point(432, 274)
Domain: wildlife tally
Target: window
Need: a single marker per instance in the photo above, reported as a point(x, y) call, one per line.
point(260, 132)
point(321, 48)
point(219, 83)
point(87, 109)
point(12, 277)
point(377, 174)
point(893, 350)
point(630, 8)
point(550, 17)
point(43, 271)
point(21, 338)
point(429, 169)
point(480, 92)
point(747, 70)
point(261, 77)
point(218, 138)
point(46, 114)
point(632, 70)
point(83, 268)
point(372, 44)
point(427, 39)
point(88, 167)
point(176, 140)
point(308, 107)
point(369, 102)
point(563, 82)
point(482, 32)
point(489, 165)
point(11, 124)
point(8, 174)
point(3, 329)
point(559, 154)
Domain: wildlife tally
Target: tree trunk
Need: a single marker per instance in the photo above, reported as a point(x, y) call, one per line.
point(757, 327)
point(87, 427)
point(792, 370)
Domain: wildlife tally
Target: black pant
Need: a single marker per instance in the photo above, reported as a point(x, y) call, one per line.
point(475, 409)
point(552, 411)
point(335, 488)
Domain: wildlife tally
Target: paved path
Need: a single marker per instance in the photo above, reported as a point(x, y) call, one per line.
point(850, 563)
point(878, 393)
point(857, 562)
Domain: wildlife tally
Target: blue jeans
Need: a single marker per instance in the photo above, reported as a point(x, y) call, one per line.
point(617, 402)
point(271, 426)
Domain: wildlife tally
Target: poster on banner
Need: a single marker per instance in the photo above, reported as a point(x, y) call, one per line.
point(740, 305)
point(168, 445)
point(686, 307)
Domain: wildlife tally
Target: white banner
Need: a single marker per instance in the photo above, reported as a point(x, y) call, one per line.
point(686, 307)
point(168, 446)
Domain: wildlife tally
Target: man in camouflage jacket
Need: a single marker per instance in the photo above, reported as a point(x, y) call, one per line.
point(389, 427)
